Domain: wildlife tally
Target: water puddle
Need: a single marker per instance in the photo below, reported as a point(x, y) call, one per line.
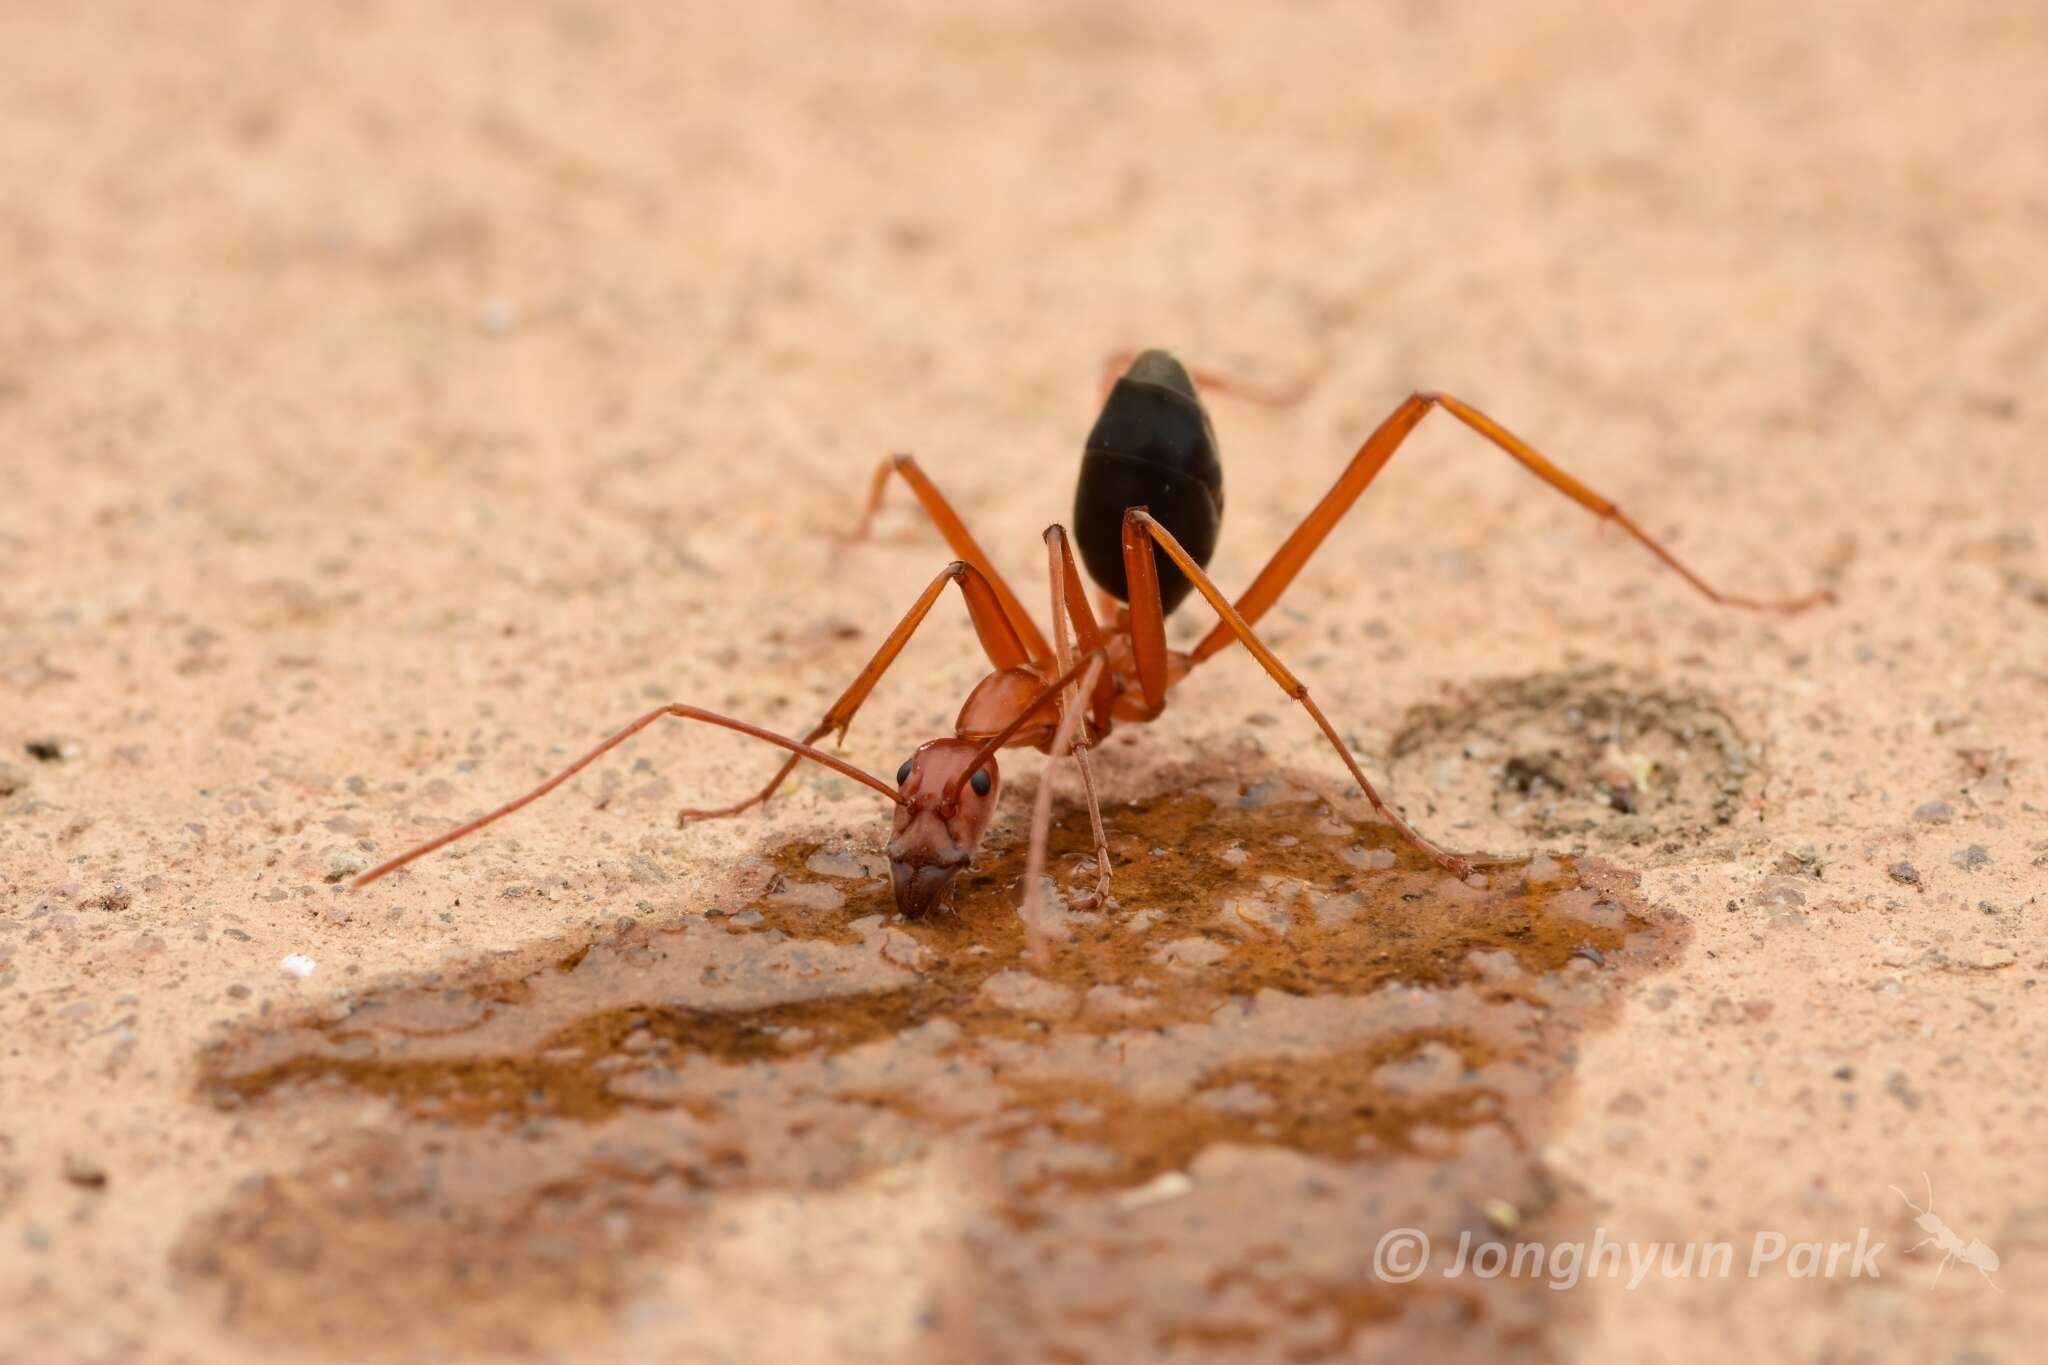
point(1185, 1132)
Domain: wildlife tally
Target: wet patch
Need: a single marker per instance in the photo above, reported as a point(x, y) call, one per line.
point(1578, 760)
point(1186, 1131)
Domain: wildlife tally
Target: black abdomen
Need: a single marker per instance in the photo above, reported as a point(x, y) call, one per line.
point(1152, 447)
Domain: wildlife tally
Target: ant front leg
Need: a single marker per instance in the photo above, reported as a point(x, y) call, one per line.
point(1148, 641)
point(1070, 607)
point(1039, 928)
point(1372, 457)
point(991, 623)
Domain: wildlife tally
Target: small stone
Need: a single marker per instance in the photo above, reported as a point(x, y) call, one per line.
point(84, 1171)
point(497, 317)
point(1023, 993)
point(1899, 1088)
point(1935, 812)
point(1781, 893)
point(1190, 954)
point(1258, 914)
point(1240, 1097)
point(1368, 859)
point(903, 949)
point(297, 964)
point(652, 1085)
point(1905, 874)
point(1972, 858)
point(1503, 1215)
point(820, 896)
point(1159, 1189)
point(346, 863)
point(835, 863)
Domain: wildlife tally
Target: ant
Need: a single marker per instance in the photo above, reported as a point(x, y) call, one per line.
point(1146, 515)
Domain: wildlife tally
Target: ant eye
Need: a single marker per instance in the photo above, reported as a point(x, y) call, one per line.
point(903, 773)
point(981, 782)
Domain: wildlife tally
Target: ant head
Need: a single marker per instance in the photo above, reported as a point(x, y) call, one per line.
point(942, 812)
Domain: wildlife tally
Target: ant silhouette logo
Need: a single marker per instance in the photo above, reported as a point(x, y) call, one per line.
point(1953, 1248)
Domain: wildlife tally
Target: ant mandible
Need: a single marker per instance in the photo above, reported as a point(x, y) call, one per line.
point(1146, 514)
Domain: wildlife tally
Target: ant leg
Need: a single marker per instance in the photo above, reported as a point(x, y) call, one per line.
point(1115, 364)
point(1099, 897)
point(1070, 600)
point(957, 536)
point(1148, 636)
point(998, 639)
point(799, 749)
point(1070, 607)
point(1373, 456)
point(1039, 927)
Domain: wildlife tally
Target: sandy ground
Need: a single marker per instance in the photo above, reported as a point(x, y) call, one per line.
point(393, 398)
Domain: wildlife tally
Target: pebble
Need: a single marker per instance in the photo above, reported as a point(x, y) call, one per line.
point(1905, 873)
point(1972, 858)
point(1190, 953)
point(1112, 1002)
point(821, 896)
point(1157, 1190)
point(1259, 914)
point(1241, 1097)
point(1899, 1088)
point(834, 863)
point(1023, 993)
point(1368, 859)
point(297, 964)
point(84, 1171)
point(1935, 812)
point(346, 863)
point(497, 317)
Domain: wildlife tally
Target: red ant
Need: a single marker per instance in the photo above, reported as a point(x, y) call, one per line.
point(1146, 515)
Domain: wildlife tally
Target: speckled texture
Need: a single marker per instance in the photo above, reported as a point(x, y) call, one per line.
point(393, 399)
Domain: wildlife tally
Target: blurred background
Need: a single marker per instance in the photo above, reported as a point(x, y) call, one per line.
point(392, 390)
